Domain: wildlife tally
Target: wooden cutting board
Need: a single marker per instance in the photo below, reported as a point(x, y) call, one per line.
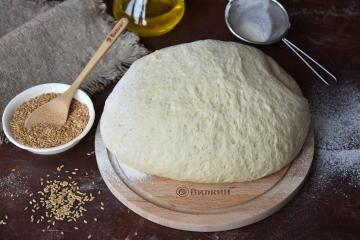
point(204, 207)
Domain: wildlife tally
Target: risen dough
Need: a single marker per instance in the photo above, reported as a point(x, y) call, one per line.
point(207, 111)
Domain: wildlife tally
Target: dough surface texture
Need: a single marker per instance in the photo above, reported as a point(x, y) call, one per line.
point(207, 111)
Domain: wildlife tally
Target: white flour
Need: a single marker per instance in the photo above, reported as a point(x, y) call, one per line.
point(334, 165)
point(133, 174)
point(251, 19)
point(336, 117)
point(258, 20)
point(13, 185)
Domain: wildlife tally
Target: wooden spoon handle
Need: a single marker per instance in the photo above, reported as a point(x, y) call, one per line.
point(102, 50)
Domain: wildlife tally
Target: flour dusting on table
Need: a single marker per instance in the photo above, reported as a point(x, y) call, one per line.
point(336, 117)
point(13, 185)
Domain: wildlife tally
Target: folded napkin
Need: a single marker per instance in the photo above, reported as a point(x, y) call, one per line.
point(54, 46)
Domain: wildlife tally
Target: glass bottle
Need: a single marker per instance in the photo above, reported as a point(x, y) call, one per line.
point(150, 17)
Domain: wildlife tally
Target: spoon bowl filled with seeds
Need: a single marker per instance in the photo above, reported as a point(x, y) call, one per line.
point(47, 139)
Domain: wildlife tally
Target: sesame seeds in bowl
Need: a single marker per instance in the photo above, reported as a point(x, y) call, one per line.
point(80, 121)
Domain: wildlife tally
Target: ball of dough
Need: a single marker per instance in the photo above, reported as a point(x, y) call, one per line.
point(207, 111)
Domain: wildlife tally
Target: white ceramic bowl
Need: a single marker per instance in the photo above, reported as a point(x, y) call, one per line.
point(80, 95)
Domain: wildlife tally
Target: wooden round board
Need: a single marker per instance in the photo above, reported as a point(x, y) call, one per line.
point(204, 207)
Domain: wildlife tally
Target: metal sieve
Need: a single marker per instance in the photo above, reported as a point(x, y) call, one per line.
point(276, 31)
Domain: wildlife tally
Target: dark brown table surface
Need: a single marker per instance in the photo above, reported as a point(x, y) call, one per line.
point(329, 30)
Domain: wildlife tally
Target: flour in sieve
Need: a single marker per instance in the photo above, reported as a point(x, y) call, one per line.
point(261, 21)
point(251, 19)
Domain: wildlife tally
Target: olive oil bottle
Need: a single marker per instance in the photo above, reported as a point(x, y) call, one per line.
point(150, 17)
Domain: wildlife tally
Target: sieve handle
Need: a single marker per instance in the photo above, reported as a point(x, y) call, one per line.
point(304, 57)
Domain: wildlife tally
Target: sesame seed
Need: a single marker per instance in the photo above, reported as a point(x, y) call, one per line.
point(60, 200)
point(62, 233)
point(59, 168)
point(13, 170)
point(89, 236)
point(95, 219)
point(45, 135)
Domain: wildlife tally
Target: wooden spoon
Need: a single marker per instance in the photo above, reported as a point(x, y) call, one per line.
point(56, 111)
